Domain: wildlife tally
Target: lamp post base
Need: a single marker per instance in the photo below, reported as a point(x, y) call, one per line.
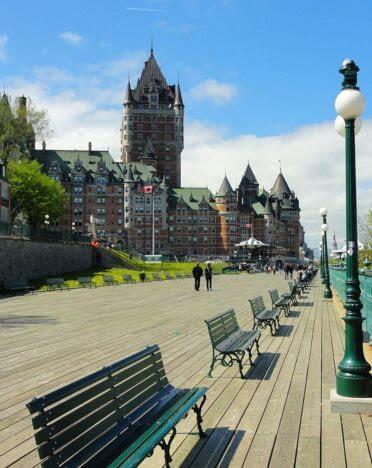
point(327, 294)
point(354, 386)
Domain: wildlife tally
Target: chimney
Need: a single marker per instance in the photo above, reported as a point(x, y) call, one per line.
point(43, 145)
point(90, 147)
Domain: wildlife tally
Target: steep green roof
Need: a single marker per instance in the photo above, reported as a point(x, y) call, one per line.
point(280, 188)
point(258, 208)
point(192, 196)
point(225, 188)
point(90, 161)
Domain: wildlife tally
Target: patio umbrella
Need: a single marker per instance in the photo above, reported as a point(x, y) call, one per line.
point(251, 243)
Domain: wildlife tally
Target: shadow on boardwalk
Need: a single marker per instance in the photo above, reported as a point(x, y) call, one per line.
point(215, 448)
point(13, 321)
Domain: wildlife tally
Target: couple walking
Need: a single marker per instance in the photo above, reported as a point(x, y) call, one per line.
point(197, 273)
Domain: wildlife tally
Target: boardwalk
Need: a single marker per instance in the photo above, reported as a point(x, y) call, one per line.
point(279, 416)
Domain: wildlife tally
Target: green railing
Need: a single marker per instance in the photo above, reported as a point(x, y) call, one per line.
point(337, 277)
point(24, 231)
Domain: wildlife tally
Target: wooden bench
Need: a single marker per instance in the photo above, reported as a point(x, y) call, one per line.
point(263, 317)
point(168, 276)
point(85, 281)
point(56, 283)
point(292, 295)
point(113, 417)
point(109, 280)
point(156, 277)
point(128, 279)
point(20, 285)
point(229, 341)
point(281, 303)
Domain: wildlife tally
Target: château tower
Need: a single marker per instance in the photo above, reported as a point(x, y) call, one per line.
point(152, 126)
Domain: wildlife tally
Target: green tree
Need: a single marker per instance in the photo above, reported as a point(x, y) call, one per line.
point(20, 125)
point(33, 193)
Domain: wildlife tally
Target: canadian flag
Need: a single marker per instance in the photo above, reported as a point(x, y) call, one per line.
point(147, 189)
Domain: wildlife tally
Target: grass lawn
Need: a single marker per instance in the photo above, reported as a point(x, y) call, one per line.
point(97, 273)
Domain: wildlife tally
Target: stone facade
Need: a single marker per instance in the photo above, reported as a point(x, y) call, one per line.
point(32, 259)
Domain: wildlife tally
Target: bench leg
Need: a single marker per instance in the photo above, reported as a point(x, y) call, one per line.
point(199, 418)
point(257, 347)
point(212, 365)
point(166, 447)
point(271, 325)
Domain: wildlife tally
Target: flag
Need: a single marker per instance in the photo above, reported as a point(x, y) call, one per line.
point(147, 189)
point(249, 225)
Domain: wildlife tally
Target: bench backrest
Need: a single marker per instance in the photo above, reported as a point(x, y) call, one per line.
point(77, 421)
point(257, 305)
point(127, 277)
point(168, 275)
point(155, 276)
point(55, 281)
point(20, 283)
point(221, 326)
point(84, 279)
point(274, 295)
point(108, 278)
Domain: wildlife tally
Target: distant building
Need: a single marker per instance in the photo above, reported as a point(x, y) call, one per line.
point(139, 201)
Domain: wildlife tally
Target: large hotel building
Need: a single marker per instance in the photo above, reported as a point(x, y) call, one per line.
point(139, 201)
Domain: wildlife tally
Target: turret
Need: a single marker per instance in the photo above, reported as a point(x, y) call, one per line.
point(127, 123)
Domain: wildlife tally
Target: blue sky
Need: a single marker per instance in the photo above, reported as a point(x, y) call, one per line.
point(259, 78)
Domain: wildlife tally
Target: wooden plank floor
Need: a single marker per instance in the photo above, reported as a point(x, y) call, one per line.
point(278, 417)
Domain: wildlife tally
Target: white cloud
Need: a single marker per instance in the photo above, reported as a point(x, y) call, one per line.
point(312, 156)
point(312, 162)
point(131, 64)
point(71, 38)
point(3, 52)
point(218, 93)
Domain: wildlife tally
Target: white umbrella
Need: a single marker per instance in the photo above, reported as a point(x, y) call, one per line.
point(251, 243)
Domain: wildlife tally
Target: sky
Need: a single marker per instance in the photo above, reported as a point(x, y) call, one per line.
point(258, 78)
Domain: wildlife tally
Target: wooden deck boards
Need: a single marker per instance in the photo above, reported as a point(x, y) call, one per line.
point(278, 416)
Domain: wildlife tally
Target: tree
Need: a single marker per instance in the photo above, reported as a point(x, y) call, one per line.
point(365, 228)
point(33, 193)
point(20, 125)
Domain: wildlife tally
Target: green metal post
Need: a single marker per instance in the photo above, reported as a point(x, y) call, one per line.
point(354, 378)
point(327, 294)
point(321, 259)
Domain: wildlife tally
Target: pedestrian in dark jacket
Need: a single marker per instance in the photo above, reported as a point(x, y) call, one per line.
point(197, 273)
point(208, 276)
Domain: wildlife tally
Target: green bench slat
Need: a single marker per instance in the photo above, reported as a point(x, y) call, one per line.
point(86, 419)
point(158, 430)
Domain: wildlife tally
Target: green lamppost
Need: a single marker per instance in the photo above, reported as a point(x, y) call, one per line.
point(327, 294)
point(321, 258)
point(354, 378)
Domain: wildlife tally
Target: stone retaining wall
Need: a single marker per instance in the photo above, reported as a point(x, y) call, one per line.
point(21, 258)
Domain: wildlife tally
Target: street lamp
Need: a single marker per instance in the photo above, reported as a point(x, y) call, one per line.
point(46, 221)
point(321, 257)
point(327, 289)
point(354, 378)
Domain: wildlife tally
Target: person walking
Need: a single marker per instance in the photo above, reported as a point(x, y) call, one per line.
point(208, 276)
point(197, 273)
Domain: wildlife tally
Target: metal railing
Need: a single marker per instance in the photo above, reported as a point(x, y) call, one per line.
point(24, 231)
point(337, 277)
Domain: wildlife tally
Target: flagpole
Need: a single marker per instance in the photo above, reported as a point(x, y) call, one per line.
point(153, 223)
